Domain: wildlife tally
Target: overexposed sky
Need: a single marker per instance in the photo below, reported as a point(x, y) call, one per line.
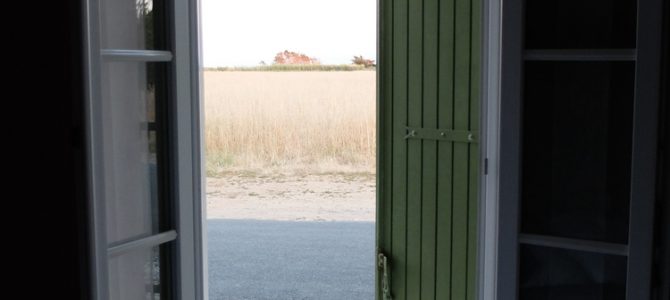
point(245, 32)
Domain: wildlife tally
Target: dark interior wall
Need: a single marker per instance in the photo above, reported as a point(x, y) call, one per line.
point(663, 233)
point(77, 152)
point(75, 155)
point(662, 271)
point(44, 160)
point(78, 157)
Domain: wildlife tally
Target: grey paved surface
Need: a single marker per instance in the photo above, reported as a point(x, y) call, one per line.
point(251, 259)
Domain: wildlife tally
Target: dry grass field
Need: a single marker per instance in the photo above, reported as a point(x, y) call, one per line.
point(311, 122)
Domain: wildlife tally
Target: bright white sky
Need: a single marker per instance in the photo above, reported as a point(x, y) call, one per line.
point(244, 32)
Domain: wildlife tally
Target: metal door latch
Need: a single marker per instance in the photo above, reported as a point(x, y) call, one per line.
point(383, 265)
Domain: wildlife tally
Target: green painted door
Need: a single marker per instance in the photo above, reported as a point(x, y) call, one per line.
point(429, 85)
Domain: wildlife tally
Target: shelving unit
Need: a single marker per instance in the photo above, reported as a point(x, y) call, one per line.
point(578, 74)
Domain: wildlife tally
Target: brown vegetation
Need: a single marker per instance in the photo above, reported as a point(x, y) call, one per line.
point(318, 121)
point(294, 58)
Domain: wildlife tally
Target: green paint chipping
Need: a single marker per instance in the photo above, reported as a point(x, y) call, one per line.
point(430, 70)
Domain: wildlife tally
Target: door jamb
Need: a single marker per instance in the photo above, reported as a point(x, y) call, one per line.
point(508, 148)
point(191, 260)
point(487, 260)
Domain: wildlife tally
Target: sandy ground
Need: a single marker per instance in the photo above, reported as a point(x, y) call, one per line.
point(327, 197)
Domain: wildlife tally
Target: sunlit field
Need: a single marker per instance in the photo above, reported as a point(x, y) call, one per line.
point(314, 122)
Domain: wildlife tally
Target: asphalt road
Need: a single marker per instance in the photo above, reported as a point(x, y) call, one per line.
point(258, 260)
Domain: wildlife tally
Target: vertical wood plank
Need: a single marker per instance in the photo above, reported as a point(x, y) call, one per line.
point(386, 131)
point(414, 149)
point(429, 174)
point(445, 150)
point(385, 137)
point(473, 184)
point(431, 186)
point(399, 224)
point(461, 159)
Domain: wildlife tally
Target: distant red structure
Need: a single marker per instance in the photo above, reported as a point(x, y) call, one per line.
point(294, 58)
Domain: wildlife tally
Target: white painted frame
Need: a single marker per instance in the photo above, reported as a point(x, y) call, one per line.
point(186, 125)
point(191, 266)
point(487, 261)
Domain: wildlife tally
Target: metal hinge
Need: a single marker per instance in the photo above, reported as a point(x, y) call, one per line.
point(450, 135)
point(383, 265)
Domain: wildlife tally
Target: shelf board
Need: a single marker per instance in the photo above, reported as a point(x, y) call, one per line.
point(580, 55)
point(573, 244)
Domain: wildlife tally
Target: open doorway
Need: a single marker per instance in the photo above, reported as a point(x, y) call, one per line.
point(289, 92)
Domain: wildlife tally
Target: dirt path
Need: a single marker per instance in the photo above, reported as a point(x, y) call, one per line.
point(330, 197)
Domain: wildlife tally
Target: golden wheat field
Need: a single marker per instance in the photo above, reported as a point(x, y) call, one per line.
point(308, 121)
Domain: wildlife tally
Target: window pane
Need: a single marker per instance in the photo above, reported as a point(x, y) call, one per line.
point(130, 145)
point(133, 24)
point(566, 24)
point(577, 141)
point(135, 275)
point(558, 274)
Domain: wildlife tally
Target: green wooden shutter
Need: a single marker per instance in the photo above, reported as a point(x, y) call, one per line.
point(429, 83)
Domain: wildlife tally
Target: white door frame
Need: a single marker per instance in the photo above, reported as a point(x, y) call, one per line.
point(487, 263)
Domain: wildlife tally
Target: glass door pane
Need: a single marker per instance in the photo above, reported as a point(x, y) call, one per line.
point(133, 24)
point(136, 275)
point(131, 145)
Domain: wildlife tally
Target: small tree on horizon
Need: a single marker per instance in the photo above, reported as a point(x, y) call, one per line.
point(360, 60)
